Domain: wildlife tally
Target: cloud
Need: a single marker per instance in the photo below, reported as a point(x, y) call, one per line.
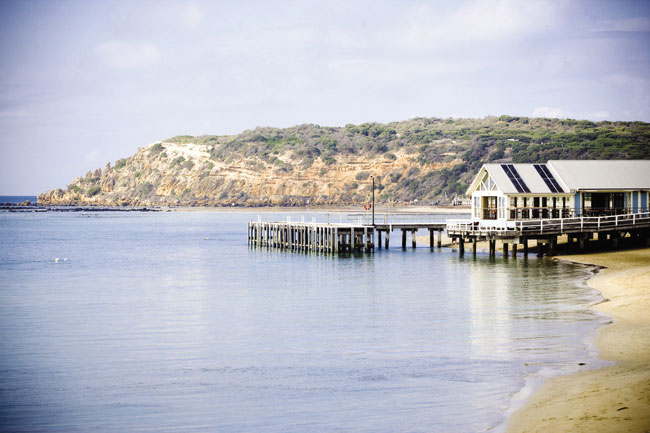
point(192, 15)
point(125, 56)
point(481, 21)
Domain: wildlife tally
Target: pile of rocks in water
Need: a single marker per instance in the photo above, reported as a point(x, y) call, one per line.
point(27, 206)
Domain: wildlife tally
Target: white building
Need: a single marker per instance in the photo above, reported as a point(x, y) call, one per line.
point(559, 189)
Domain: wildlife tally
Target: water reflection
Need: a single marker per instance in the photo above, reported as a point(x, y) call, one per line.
point(151, 324)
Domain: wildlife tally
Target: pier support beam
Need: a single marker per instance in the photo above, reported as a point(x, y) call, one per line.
point(493, 246)
point(403, 239)
point(505, 250)
point(474, 242)
point(524, 242)
point(461, 246)
point(439, 238)
point(514, 251)
point(431, 238)
point(413, 238)
point(387, 238)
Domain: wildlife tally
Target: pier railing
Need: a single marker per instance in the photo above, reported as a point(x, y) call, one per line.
point(551, 226)
point(398, 218)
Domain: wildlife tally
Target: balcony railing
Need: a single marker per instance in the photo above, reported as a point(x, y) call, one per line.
point(527, 213)
point(554, 225)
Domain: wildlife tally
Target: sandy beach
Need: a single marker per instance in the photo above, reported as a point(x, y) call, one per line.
point(614, 398)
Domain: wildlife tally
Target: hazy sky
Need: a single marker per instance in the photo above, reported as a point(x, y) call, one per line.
point(86, 82)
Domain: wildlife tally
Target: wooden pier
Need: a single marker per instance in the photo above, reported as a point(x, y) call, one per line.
point(338, 237)
point(315, 237)
point(361, 236)
point(546, 231)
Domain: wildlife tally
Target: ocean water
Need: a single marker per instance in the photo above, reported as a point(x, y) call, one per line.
point(170, 322)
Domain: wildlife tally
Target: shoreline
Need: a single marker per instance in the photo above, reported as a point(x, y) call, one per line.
point(18, 207)
point(612, 398)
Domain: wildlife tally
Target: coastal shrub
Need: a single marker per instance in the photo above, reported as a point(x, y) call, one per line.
point(188, 164)
point(157, 148)
point(93, 191)
point(322, 172)
point(362, 175)
point(120, 163)
point(144, 190)
point(177, 161)
point(413, 171)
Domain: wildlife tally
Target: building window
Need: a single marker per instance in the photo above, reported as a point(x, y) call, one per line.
point(525, 213)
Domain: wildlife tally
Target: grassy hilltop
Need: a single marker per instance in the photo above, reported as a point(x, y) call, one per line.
point(425, 159)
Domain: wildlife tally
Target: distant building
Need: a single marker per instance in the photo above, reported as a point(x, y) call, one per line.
point(559, 189)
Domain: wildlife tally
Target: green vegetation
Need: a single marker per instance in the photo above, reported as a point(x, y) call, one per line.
point(187, 164)
point(156, 149)
point(177, 161)
point(93, 191)
point(428, 159)
point(120, 163)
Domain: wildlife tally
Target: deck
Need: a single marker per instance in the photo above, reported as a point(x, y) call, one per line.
point(359, 234)
point(546, 231)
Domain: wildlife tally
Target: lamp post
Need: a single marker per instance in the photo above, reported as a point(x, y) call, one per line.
point(373, 200)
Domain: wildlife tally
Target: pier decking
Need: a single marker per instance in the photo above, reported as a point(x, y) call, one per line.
point(546, 231)
point(358, 234)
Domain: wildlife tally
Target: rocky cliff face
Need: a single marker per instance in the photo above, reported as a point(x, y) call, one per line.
point(183, 173)
point(429, 160)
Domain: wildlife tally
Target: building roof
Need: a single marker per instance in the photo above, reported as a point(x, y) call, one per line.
point(557, 177)
point(588, 175)
point(530, 178)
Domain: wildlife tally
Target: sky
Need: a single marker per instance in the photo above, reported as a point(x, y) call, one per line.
point(84, 83)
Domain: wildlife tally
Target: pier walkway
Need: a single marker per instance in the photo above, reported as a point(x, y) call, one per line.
point(546, 231)
point(358, 233)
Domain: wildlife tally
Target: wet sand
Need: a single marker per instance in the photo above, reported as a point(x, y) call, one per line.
point(614, 398)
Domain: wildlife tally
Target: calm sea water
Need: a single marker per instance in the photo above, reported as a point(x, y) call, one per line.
point(169, 322)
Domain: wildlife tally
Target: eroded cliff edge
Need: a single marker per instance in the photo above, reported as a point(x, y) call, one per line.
point(428, 160)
